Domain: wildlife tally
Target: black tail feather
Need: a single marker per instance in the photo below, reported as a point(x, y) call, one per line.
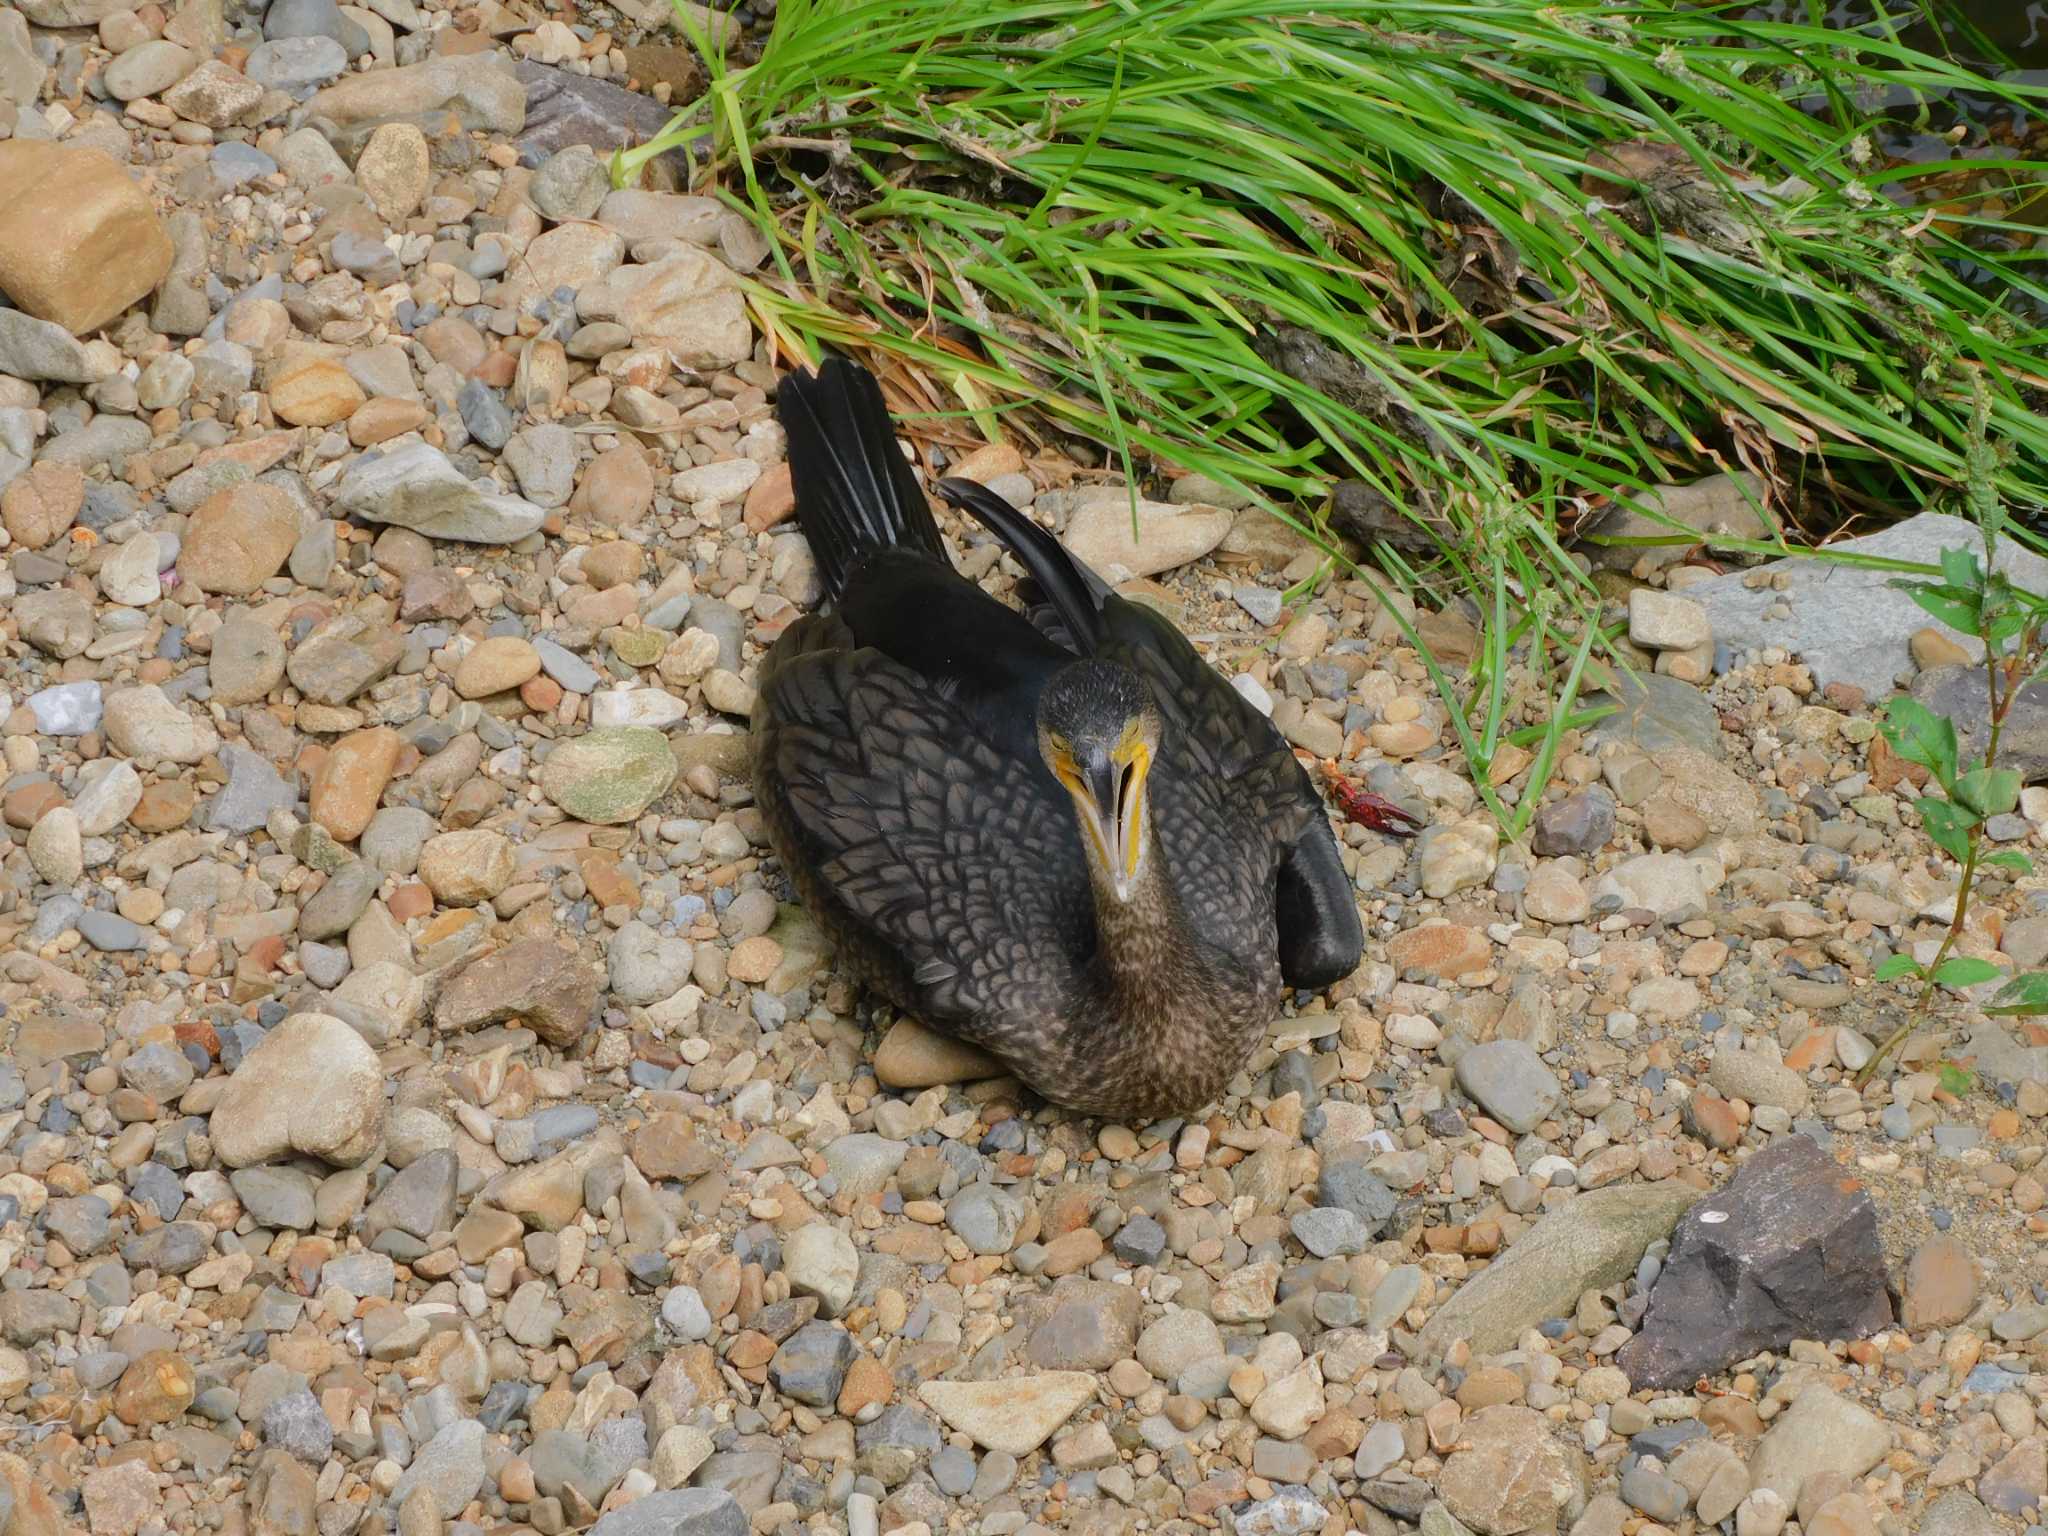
point(1075, 592)
point(855, 492)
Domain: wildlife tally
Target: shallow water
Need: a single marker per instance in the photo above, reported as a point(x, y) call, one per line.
point(2004, 39)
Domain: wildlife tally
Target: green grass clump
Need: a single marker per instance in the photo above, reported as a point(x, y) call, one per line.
point(1545, 253)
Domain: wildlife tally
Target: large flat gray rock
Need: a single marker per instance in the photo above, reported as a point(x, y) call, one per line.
point(1846, 623)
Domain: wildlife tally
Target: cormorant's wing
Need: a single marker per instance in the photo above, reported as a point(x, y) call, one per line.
point(954, 866)
point(1066, 597)
point(1321, 938)
point(982, 654)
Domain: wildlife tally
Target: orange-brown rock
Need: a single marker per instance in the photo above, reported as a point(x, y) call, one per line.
point(1441, 950)
point(41, 503)
point(352, 780)
point(309, 387)
point(239, 538)
point(80, 242)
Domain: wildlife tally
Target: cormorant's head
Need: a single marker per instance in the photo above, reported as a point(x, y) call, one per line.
point(1098, 731)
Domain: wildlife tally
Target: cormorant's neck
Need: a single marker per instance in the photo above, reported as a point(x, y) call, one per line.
point(1147, 953)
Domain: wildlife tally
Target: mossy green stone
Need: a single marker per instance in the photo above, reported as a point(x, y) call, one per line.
point(639, 647)
point(730, 753)
point(313, 847)
point(609, 776)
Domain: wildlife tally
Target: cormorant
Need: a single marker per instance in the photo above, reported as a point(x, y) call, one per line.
point(1057, 834)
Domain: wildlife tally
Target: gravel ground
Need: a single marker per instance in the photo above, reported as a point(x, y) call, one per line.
point(423, 1108)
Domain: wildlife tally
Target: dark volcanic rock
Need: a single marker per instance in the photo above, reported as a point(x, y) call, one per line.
point(564, 109)
point(1580, 823)
point(1959, 693)
point(1789, 1250)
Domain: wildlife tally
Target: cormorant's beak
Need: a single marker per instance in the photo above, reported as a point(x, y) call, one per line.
point(1110, 794)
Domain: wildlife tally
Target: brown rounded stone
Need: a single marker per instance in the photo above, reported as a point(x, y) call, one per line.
point(378, 421)
point(614, 564)
point(770, 500)
point(1443, 950)
point(1671, 825)
point(41, 503)
point(497, 370)
point(351, 782)
point(867, 1382)
point(165, 806)
point(617, 488)
point(411, 900)
point(81, 241)
point(495, 665)
point(454, 341)
point(913, 1056)
point(309, 387)
point(1713, 1120)
point(155, 1389)
point(261, 325)
point(607, 880)
point(239, 538)
point(754, 960)
point(29, 804)
point(435, 593)
point(393, 171)
point(666, 1147)
point(467, 867)
point(1941, 1284)
point(1406, 738)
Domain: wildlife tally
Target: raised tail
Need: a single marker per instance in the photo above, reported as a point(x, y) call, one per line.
point(855, 491)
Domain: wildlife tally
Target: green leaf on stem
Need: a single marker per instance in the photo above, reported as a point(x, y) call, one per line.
point(2007, 858)
point(1896, 966)
point(1966, 971)
point(1961, 568)
point(1921, 736)
point(1956, 613)
point(1948, 824)
point(1989, 791)
point(2023, 996)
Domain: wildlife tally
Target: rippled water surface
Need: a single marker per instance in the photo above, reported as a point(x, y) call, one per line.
point(2005, 39)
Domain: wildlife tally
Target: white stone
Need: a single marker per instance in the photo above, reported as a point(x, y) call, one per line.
point(415, 486)
point(1663, 621)
point(726, 480)
point(1458, 855)
point(68, 709)
point(638, 706)
point(1287, 1407)
point(1015, 1415)
point(1168, 536)
point(681, 1450)
point(1663, 883)
point(820, 1261)
point(107, 791)
point(142, 722)
point(1763, 1513)
point(312, 1085)
point(129, 576)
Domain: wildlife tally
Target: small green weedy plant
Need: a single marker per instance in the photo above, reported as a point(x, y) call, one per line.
point(1977, 599)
